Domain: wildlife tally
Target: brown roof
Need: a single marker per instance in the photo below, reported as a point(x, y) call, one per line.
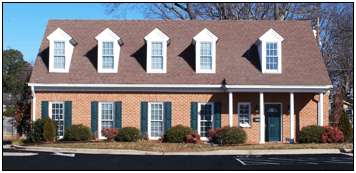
point(302, 63)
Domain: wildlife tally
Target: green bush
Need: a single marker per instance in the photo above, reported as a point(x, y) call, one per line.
point(345, 126)
point(49, 130)
point(128, 134)
point(311, 134)
point(77, 132)
point(229, 135)
point(36, 132)
point(177, 134)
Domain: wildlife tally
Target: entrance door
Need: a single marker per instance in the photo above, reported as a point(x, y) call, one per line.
point(273, 122)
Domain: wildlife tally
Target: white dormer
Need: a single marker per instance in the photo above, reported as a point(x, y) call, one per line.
point(205, 52)
point(108, 51)
point(270, 52)
point(157, 43)
point(61, 47)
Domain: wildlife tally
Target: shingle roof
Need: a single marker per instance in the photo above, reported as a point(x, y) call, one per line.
point(302, 63)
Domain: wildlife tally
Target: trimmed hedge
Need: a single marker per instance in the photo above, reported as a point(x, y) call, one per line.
point(128, 134)
point(77, 132)
point(49, 130)
point(345, 127)
point(177, 134)
point(229, 135)
point(311, 134)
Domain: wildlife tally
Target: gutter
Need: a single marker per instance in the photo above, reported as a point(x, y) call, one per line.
point(34, 103)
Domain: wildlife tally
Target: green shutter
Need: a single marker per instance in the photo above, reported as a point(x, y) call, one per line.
point(217, 115)
point(94, 116)
point(168, 116)
point(194, 115)
point(44, 113)
point(143, 117)
point(67, 114)
point(118, 115)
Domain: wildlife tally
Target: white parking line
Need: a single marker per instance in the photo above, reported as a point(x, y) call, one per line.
point(241, 161)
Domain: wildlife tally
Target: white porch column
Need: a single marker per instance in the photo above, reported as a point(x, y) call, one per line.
point(291, 140)
point(33, 104)
point(230, 109)
point(320, 109)
point(262, 119)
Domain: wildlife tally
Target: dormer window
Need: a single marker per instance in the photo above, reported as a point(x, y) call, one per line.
point(270, 52)
point(271, 56)
point(108, 55)
point(59, 55)
point(205, 56)
point(205, 49)
point(61, 47)
point(157, 43)
point(157, 56)
point(109, 45)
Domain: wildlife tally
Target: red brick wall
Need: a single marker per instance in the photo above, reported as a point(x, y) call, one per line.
point(305, 107)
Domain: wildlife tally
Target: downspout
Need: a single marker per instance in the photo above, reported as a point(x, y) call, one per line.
point(33, 103)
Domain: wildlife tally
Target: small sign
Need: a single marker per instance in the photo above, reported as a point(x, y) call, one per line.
point(257, 119)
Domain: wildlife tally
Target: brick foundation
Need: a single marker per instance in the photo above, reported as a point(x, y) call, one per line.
point(306, 107)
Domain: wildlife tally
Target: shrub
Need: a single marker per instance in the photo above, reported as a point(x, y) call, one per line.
point(109, 133)
point(193, 138)
point(332, 135)
point(311, 134)
point(36, 135)
point(177, 134)
point(345, 126)
point(49, 130)
point(229, 135)
point(77, 132)
point(128, 134)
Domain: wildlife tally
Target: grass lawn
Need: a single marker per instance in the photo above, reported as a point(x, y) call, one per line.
point(179, 147)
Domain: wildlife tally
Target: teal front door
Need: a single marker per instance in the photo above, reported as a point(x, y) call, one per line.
point(273, 122)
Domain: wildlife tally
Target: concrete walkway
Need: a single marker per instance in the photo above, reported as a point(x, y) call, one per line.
point(220, 152)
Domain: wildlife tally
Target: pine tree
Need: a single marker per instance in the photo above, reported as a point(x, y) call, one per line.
point(345, 126)
point(49, 131)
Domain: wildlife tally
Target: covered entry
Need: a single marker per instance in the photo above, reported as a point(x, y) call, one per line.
point(273, 123)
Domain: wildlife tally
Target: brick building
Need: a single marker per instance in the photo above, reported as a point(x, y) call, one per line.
point(267, 77)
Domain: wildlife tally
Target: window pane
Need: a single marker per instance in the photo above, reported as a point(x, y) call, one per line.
point(157, 62)
point(271, 56)
point(156, 48)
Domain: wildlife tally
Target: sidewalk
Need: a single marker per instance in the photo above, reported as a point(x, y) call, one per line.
point(221, 152)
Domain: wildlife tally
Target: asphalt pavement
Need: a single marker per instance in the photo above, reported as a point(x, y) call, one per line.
point(49, 161)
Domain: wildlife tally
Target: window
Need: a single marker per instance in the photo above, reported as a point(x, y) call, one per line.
point(61, 47)
point(57, 114)
point(271, 56)
point(59, 55)
point(155, 120)
point(108, 55)
point(244, 112)
point(205, 55)
point(109, 46)
point(205, 52)
point(157, 56)
point(106, 116)
point(205, 119)
point(157, 43)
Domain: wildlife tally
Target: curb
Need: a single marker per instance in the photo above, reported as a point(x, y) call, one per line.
point(18, 154)
point(220, 152)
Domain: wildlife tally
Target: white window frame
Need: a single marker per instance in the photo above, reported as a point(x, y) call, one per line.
point(212, 117)
point(60, 36)
point(270, 36)
point(50, 115)
point(102, 56)
point(205, 36)
point(59, 55)
point(108, 36)
point(156, 36)
point(99, 118)
point(238, 114)
point(149, 120)
point(163, 53)
point(211, 48)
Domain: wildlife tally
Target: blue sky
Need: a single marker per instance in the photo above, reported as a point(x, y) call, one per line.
point(24, 24)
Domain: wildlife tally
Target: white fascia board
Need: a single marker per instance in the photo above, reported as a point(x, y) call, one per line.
point(152, 36)
point(271, 32)
point(107, 31)
point(54, 34)
point(127, 85)
point(279, 86)
point(202, 36)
